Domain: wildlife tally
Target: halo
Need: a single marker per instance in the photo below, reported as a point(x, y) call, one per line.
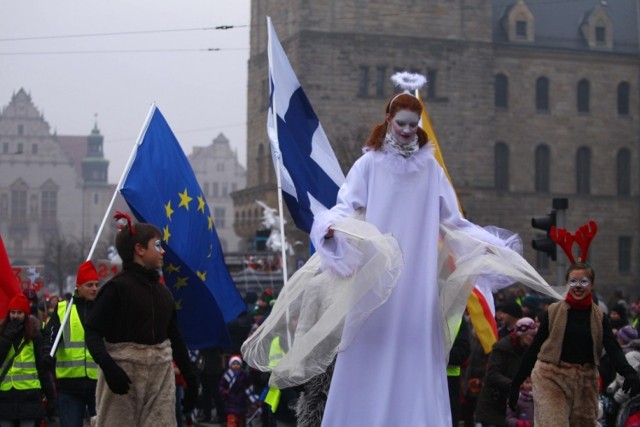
point(408, 81)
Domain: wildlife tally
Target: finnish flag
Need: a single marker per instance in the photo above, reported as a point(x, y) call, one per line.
point(310, 173)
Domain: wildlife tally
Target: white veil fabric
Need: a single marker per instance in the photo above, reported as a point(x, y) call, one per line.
point(465, 262)
point(318, 313)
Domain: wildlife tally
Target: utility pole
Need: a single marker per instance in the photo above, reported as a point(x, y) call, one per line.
point(560, 206)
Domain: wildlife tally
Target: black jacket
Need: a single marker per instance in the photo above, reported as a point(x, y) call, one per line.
point(135, 307)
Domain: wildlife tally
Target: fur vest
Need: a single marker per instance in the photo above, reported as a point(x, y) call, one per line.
point(551, 350)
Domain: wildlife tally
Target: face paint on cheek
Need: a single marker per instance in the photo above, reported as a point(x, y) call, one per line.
point(157, 245)
point(404, 126)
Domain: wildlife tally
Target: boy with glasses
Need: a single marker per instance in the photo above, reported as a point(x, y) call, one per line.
point(564, 356)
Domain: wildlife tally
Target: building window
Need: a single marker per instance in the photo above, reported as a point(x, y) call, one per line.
point(623, 99)
point(220, 167)
point(623, 172)
point(4, 205)
point(5, 148)
point(18, 205)
point(381, 81)
point(583, 170)
point(96, 198)
point(206, 189)
point(214, 187)
point(218, 217)
point(542, 94)
point(431, 83)
point(624, 254)
point(542, 167)
point(583, 96)
point(501, 91)
point(363, 87)
point(521, 29)
point(20, 149)
point(34, 208)
point(234, 187)
point(501, 159)
point(20, 129)
point(49, 206)
point(34, 149)
point(601, 35)
point(260, 162)
point(225, 189)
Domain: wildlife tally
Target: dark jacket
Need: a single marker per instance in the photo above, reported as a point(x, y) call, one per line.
point(25, 404)
point(135, 307)
point(69, 385)
point(236, 390)
point(503, 364)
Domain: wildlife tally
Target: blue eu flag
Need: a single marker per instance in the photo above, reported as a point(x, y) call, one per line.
point(161, 188)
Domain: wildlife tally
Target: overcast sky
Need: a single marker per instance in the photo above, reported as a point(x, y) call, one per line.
point(72, 57)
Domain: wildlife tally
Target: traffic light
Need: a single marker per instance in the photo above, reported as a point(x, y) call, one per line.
point(545, 244)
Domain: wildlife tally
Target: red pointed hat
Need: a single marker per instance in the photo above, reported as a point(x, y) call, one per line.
point(20, 302)
point(86, 273)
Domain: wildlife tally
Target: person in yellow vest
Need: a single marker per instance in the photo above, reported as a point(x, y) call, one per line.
point(75, 370)
point(22, 379)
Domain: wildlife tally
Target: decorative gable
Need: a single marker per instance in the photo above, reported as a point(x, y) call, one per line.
point(597, 29)
point(519, 24)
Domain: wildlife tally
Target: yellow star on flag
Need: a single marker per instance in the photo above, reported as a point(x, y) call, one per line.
point(168, 210)
point(180, 282)
point(185, 199)
point(165, 237)
point(179, 304)
point(201, 203)
point(172, 268)
point(202, 275)
point(210, 220)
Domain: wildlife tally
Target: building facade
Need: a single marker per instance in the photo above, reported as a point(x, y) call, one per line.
point(531, 100)
point(53, 188)
point(219, 174)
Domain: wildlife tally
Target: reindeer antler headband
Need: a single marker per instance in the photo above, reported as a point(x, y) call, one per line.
point(583, 237)
point(122, 220)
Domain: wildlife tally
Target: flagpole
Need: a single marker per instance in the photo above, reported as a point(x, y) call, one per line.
point(104, 221)
point(278, 156)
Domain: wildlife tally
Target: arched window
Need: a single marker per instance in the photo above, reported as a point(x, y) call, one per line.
point(583, 170)
point(542, 167)
point(501, 91)
point(542, 94)
point(501, 160)
point(583, 96)
point(623, 99)
point(260, 161)
point(623, 172)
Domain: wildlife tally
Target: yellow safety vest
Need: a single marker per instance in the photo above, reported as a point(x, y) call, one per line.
point(23, 374)
point(453, 370)
point(73, 358)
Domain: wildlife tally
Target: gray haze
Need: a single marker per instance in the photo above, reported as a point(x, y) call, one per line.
point(200, 93)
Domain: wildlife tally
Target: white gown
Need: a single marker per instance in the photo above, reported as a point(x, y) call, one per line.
point(394, 371)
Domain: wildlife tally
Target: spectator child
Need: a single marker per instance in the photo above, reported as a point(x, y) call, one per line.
point(236, 391)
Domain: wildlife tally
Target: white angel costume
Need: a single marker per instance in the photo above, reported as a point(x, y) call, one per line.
point(386, 303)
point(394, 371)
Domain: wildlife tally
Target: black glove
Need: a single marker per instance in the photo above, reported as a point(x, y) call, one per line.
point(514, 395)
point(116, 378)
point(631, 385)
point(48, 363)
point(13, 329)
point(190, 394)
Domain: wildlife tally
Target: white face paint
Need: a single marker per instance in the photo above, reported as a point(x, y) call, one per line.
point(404, 126)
